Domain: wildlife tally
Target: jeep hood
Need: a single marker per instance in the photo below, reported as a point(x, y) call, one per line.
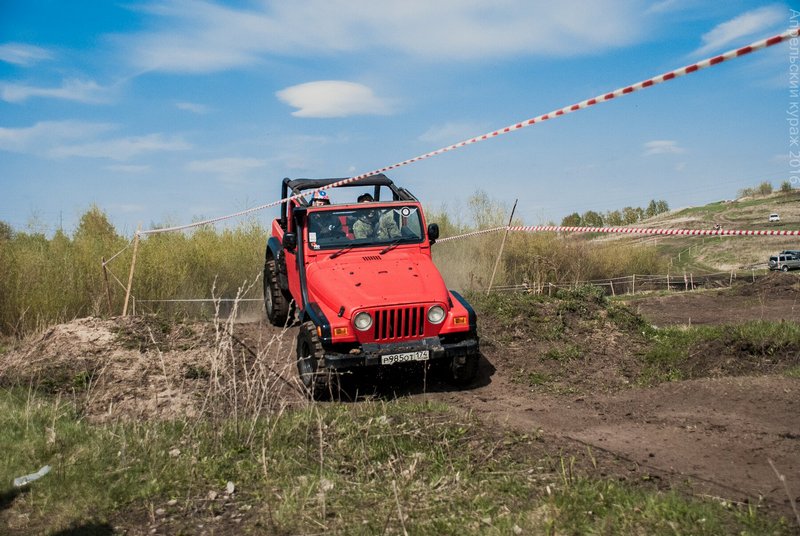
point(357, 280)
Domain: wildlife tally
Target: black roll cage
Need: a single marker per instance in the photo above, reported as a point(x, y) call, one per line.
point(298, 186)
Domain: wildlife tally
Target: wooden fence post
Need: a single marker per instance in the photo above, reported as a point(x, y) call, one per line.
point(502, 245)
point(633, 284)
point(130, 275)
point(108, 287)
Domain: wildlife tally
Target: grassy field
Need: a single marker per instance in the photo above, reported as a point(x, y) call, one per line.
point(374, 467)
point(395, 466)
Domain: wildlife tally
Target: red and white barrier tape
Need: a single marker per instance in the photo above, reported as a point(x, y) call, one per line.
point(646, 231)
point(627, 230)
point(474, 233)
point(703, 64)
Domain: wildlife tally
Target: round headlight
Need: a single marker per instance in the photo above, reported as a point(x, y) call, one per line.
point(362, 321)
point(436, 314)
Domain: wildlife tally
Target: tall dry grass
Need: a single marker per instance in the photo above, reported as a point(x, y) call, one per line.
point(47, 280)
point(541, 258)
point(44, 280)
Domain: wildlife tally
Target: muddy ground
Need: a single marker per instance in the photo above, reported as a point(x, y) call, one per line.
point(567, 372)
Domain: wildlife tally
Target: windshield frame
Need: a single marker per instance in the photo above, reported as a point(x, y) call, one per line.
point(408, 226)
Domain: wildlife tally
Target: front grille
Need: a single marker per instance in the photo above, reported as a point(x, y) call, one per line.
point(399, 323)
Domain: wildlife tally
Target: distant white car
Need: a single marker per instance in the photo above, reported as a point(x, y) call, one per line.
point(774, 217)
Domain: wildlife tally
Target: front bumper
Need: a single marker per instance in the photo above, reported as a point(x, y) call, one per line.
point(369, 355)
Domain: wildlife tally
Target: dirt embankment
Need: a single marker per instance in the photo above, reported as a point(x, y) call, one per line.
point(573, 370)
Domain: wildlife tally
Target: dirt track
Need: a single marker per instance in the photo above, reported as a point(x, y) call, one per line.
point(712, 436)
point(715, 435)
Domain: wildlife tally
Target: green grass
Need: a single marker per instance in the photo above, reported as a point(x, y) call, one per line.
point(565, 353)
point(351, 468)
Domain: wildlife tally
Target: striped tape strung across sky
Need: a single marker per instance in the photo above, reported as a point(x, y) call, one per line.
point(626, 230)
point(620, 92)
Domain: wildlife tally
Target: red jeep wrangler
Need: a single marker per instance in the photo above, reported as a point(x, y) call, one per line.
point(361, 280)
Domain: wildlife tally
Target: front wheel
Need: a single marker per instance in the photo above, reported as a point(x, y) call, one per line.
point(276, 304)
point(319, 383)
point(464, 369)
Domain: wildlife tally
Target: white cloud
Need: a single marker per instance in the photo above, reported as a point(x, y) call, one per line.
point(121, 148)
point(38, 138)
point(333, 98)
point(665, 6)
point(22, 54)
point(452, 132)
point(74, 90)
point(662, 147)
point(192, 107)
point(752, 22)
point(202, 36)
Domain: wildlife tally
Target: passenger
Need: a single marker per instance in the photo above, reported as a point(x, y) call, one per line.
point(325, 224)
point(371, 225)
point(320, 199)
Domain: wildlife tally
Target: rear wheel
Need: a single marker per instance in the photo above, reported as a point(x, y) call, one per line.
point(785, 268)
point(320, 383)
point(275, 302)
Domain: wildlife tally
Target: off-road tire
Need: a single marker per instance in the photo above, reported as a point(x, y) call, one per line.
point(785, 268)
point(277, 306)
point(465, 374)
point(319, 382)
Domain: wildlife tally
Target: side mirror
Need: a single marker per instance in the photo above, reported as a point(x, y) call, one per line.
point(433, 232)
point(290, 241)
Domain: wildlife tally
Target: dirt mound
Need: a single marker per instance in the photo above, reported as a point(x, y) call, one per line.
point(774, 297)
point(574, 343)
point(773, 284)
point(141, 367)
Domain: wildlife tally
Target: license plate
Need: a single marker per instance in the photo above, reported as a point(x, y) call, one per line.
point(405, 357)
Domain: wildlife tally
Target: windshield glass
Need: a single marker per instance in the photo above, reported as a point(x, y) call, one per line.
point(371, 225)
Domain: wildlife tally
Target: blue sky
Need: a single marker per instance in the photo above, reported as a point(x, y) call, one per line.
point(172, 111)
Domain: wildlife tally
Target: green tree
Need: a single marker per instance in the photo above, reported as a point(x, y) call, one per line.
point(765, 188)
point(573, 220)
point(630, 215)
point(6, 232)
point(786, 187)
point(591, 218)
point(614, 218)
point(486, 212)
point(746, 192)
point(651, 210)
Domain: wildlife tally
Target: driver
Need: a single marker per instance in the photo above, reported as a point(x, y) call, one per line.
point(371, 224)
